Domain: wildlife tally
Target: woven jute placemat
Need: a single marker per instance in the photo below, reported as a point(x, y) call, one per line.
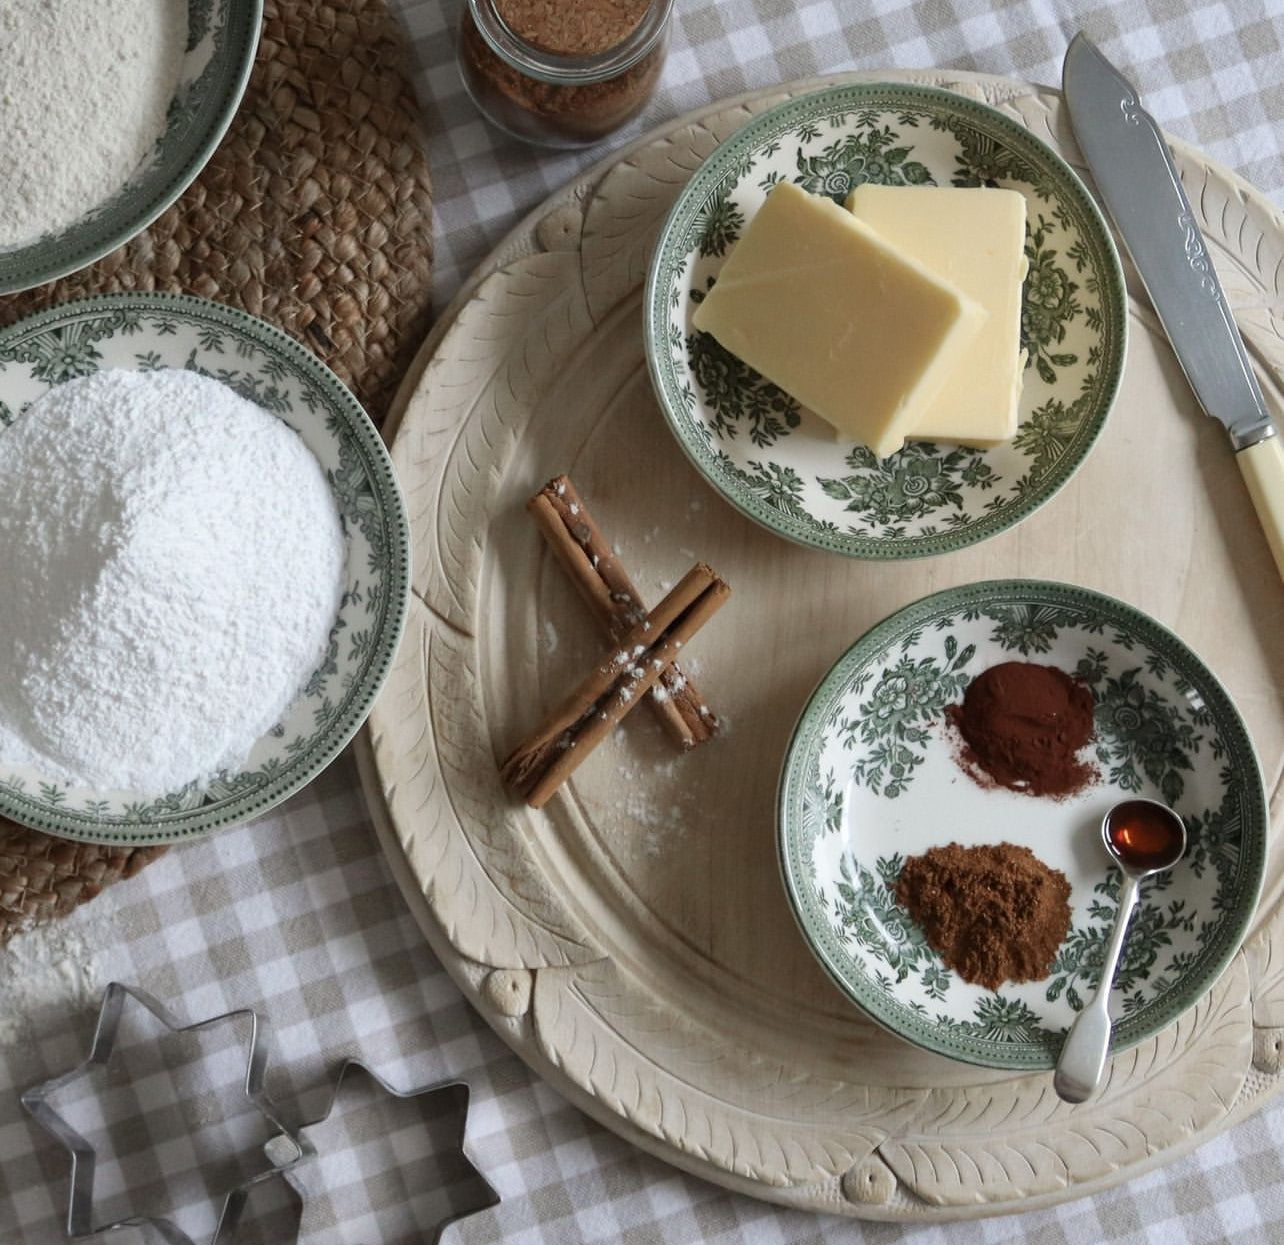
point(315, 213)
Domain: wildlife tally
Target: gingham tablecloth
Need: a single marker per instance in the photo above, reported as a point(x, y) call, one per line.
point(297, 913)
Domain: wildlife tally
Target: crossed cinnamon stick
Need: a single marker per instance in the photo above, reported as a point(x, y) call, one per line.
point(578, 543)
point(641, 663)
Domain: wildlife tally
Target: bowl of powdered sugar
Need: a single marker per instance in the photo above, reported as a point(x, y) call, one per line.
point(206, 563)
point(107, 114)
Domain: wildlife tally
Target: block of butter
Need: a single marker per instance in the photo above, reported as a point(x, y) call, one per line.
point(974, 239)
point(821, 305)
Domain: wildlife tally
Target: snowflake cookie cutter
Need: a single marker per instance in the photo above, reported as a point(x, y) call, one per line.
point(462, 1095)
point(289, 1148)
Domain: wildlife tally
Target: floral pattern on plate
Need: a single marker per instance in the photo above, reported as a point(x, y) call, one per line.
point(872, 777)
point(150, 331)
point(781, 464)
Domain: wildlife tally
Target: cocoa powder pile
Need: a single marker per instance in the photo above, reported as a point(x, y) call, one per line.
point(1023, 725)
point(993, 913)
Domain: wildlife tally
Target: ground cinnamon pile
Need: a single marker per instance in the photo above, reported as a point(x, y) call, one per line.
point(1023, 725)
point(994, 913)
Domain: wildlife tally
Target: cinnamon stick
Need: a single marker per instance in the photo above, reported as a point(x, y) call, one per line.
point(563, 741)
point(578, 544)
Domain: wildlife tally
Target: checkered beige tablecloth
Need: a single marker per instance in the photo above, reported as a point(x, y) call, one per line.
point(297, 913)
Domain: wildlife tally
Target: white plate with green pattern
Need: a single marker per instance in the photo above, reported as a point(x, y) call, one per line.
point(782, 465)
point(263, 364)
point(871, 778)
point(222, 36)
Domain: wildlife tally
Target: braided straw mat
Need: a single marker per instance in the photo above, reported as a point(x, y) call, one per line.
point(314, 213)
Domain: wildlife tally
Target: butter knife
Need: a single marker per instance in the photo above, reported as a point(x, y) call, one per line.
point(1138, 182)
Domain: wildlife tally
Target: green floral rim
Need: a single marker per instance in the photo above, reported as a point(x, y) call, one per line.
point(926, 500)
point(265, 365)
point(1235, 862)
point(212, 84)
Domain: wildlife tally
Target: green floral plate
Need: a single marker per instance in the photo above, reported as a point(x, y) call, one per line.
point(779, 463)
point(222, 36)
point(148, 331)
point(871, 779)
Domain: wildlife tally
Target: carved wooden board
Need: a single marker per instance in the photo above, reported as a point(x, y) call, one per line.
point(632, 942)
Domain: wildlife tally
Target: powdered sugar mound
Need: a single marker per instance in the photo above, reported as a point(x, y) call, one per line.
point(84, 91)
point(173, 561)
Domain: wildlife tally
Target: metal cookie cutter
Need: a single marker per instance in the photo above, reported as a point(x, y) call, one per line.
point(460, 1091)
point(288, 1147)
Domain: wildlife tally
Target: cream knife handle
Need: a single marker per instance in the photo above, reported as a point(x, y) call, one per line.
point(1262, 466)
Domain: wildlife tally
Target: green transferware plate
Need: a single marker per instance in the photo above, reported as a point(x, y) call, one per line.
point(148, 331)
point(222, 36)
point(782, 465)
point(871, 779)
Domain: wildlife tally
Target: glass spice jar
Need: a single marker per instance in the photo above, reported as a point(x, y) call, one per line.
point(562, 73)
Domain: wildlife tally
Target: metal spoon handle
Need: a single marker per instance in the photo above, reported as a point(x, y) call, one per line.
point(1083, 1056)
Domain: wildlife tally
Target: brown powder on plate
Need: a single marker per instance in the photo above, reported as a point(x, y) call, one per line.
point(1023, 725)
point(572, 27)
point(994, 913)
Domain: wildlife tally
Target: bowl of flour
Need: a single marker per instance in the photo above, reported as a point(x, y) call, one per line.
point(108, 111)
point(206, 564)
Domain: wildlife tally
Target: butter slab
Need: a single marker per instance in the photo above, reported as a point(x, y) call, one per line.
point(821, 305)
point(974, 239)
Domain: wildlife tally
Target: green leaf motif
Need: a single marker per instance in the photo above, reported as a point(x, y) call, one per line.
point(1076, 971)
point(1048, 304)
point(984, 161)
point(1215, 838)
point(1142, 735)
point(355, 494)
point(911, 484)
point(737, 396)
point(868, 155)
point(868, 916)
point(778, 487)
point(998, 1019)
point(1030, 629)
point(1047, 433)
point(718, 226)
point(893, 721)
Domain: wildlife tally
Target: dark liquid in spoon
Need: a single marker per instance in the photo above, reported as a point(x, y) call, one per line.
point(1145, 835)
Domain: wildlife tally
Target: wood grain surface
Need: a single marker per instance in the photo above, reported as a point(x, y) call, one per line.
point(632, 941)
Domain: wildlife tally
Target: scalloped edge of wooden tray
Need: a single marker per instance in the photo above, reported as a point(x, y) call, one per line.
point(867, 1189)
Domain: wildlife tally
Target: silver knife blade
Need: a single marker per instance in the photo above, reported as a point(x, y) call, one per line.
point(1142, 190)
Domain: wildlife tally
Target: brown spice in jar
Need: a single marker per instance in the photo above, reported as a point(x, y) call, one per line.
point(572, 27)
point(1023, 725)
point(583, 112)
point(994, 913)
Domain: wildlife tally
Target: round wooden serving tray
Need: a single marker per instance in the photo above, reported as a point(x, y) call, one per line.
point(632, 942)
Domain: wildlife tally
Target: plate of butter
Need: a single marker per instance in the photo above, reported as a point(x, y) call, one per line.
point(885, 320)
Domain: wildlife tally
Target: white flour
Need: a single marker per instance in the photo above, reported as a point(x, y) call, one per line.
point(46, 976)
point(172, 561)
point(84, 89)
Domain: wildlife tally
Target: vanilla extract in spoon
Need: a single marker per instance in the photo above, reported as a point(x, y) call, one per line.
point(1145, 838)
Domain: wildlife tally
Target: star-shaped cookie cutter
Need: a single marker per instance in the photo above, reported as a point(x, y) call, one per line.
point(355, 1066)
point(289, 1147)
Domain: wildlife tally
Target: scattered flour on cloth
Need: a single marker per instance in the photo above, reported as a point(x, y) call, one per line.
point(84, 90)
point(47, 974)
point(173, 562)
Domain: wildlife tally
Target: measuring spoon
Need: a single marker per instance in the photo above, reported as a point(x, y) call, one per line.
point(1145, 838)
